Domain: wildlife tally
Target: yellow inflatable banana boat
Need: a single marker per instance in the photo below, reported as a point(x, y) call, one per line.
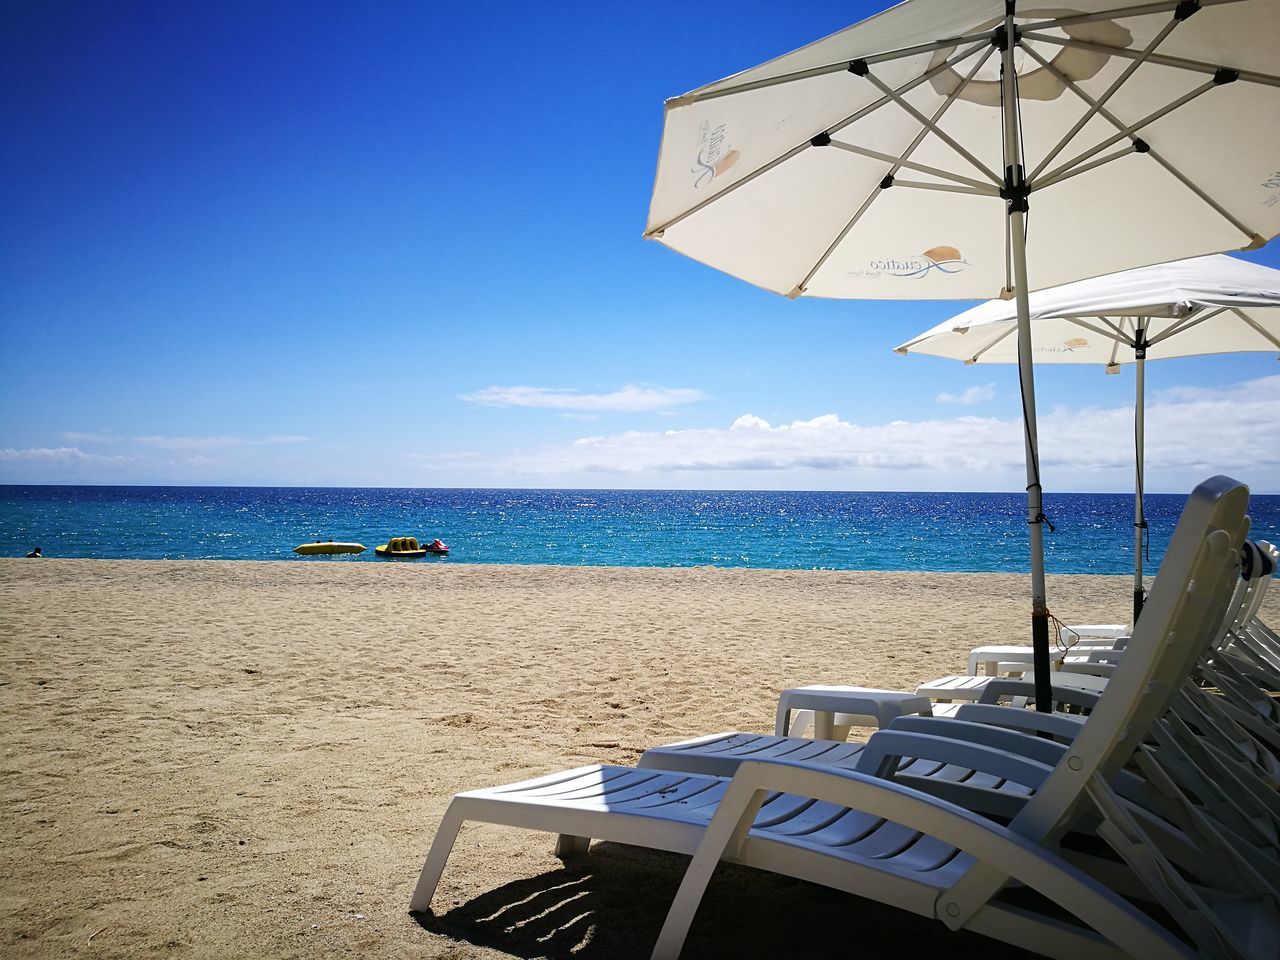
point(328, 546)
point(402, 547)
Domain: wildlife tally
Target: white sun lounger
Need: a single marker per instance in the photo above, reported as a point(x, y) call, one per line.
point(996, 659)
point(1247, 755)
point(966, 687)
point(1074, 690)
point(870, 836)
point(1075, 671)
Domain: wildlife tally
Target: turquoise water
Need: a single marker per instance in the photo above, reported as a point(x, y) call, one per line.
point(664, 528)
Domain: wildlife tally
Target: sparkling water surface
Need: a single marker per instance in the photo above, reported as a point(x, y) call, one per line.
point(661, 528)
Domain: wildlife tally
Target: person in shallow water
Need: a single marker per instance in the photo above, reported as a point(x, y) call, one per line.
point(35, 554)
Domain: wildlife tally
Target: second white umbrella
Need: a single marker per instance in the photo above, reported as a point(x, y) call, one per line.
point(1193, 307)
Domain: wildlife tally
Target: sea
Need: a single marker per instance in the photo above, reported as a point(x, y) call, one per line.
point(977, 532)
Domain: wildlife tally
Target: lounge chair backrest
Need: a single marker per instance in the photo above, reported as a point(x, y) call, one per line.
point(1183, 616)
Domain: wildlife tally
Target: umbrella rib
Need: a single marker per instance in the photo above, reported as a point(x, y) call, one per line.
point(984, 36)
point(983, 191)
point(1121, 13)
point(1117, 326)
point(1109, 330)
point(937, 132)
point(918, 139)
point(695, 96)
point(853, 118)
point(1086, 167)
point(1106, 95)
point(1257, 327)
point(1115, 352)
point(1160, 59)
point(1182, 326)
point(1254, 238)
point(1130, 129)
point(799, 288)
point(1002, 336)
point(902, 161)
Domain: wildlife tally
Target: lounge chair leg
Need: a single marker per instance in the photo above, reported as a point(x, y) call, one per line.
point(800, 723)
point(823, 728)
point(569, 846)
point(723, 838)
point(441, 847)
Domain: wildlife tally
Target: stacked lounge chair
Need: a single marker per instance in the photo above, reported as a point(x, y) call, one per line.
point(1076, 687)
point(1083, 662)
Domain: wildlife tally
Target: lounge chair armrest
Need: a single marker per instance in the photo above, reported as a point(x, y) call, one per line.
point(995, 848)
point(1097, 631)
point(1072, 696)
point(1089, 667)
point(880, 756)
point(1061, 726)
point(996, 736)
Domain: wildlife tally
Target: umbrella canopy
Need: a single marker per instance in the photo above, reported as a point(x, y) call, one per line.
point(1193, 307)
point(864, 165)
point(1206, 305)
point(900, 158)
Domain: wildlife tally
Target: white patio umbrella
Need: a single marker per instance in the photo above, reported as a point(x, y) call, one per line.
point(1193, 307)
point(900, 158)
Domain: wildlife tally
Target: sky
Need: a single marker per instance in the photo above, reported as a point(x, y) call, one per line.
point(399, 244)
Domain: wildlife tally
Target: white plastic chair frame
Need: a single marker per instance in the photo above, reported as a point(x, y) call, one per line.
point(774, 815)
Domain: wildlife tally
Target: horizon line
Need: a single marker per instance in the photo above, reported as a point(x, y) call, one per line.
point(286, 486)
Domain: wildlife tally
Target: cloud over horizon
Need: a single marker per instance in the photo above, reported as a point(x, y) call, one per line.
point(1192, 432)
point(59, 455)
point(213, 443)
point(627, 399)
point(1189, 429)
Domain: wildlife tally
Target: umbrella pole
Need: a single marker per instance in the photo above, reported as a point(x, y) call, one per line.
point(1139, 521)
point(1016, 192)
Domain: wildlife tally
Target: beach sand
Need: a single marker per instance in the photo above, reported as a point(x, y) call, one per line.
point(235, 759)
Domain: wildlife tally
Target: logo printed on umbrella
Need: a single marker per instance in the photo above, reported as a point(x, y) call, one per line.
point(944, 259)
point(715, 154)
point(1272, 183)
point(1067, 346)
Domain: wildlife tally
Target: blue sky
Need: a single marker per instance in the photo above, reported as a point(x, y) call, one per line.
point(399, 244)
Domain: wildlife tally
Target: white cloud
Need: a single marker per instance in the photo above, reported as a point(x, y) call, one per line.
point(627, 399)
point(823, 443)
point(55, 455)
point(213, 443)
point(970, 396)
point(1190, 433)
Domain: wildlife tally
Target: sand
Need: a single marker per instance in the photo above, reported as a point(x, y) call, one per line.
point(224, 759)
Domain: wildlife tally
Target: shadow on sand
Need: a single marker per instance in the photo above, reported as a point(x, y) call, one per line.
point(610, 906)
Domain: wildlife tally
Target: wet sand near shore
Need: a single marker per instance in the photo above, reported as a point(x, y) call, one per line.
point(234, 758)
